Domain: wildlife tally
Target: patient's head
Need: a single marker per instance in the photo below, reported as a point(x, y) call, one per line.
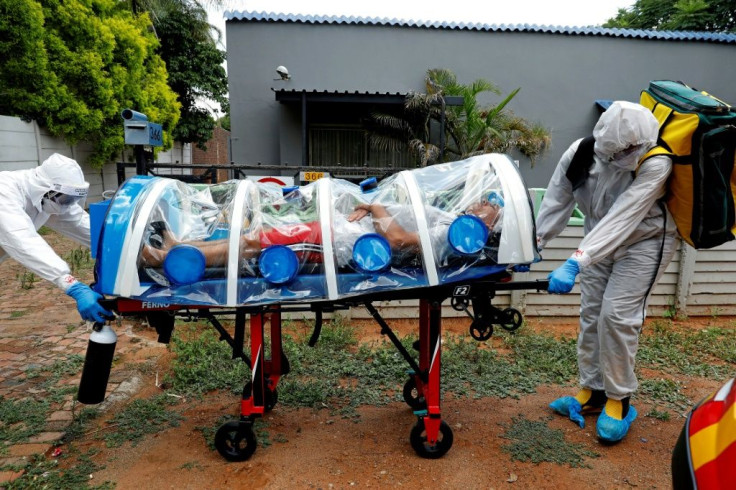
point(487, 211)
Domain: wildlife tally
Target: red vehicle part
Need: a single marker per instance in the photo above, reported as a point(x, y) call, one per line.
point(705, 454)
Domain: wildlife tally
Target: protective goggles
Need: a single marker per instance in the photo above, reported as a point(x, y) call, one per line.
point(62, 199)
point(66, 194)
point(620, 155)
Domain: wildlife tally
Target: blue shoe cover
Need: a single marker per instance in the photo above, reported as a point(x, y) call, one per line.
point(570, 406)
point(609, 429)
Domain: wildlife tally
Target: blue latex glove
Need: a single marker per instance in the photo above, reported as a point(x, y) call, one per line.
point(87, 304)
point(562, 279)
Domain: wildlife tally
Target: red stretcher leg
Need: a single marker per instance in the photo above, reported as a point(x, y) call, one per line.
point(253, 403)
point(431, 437)
point(277, 365)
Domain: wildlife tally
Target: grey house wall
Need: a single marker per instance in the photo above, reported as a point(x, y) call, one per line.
point(560, 75)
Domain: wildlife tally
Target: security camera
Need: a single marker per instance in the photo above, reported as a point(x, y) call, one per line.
point(283, 72)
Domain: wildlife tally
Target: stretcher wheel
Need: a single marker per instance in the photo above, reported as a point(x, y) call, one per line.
point(511, 319)
point(481, 332)
point(412, 397)
point(270, 396)
point(459, 303)
point(235, 441)
point(419, 442)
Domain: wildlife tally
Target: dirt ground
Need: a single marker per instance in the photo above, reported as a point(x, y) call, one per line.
point(314, 449)
point(319, 450)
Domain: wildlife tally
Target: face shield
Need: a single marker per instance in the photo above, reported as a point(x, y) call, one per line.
point(62, 197)
point(65, 182)
point(628, 158)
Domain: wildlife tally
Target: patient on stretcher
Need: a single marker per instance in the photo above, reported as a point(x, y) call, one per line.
point(389, 221)
point(241, 242)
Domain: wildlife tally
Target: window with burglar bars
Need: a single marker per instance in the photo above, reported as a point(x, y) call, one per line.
point(349, 147)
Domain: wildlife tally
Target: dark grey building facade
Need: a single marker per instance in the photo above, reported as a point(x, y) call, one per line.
point(341, 69)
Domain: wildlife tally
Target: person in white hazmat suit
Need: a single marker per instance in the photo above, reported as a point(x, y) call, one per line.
point(51, 194)
point(630, 238)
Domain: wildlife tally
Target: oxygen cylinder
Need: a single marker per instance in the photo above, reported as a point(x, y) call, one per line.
point(97, 364)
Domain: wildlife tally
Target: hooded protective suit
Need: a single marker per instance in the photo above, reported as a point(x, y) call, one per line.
point(21, 196)
point(629, 241)
point(52, 195)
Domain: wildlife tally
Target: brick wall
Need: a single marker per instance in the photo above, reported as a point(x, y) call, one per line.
point(216, 153)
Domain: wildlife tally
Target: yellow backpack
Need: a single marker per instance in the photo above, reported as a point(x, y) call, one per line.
point(698, 131)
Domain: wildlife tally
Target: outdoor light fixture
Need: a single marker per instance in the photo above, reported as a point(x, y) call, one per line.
point(283, 73)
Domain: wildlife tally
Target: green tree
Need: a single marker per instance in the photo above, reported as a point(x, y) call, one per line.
point(470, 129)
point(195, 67)
point(74, 65)
point(678, 15)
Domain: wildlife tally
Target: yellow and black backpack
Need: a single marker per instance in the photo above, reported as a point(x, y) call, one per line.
point(698, 132)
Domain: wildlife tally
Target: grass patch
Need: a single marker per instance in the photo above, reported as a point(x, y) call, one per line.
point(341, 374)
point(139, 418)
point(69, 366)
point(21, 419)
point(42, 473)
point(17, 314)
point(192, 465)
point(26, 279)
point(662, 415)
point(208, 432)
point(471, 369)
point(535, 442)
point(708, 353)
point(338, 373)
point(80, 423)
point(202, 362)
point(79, 259)
point(664, 392)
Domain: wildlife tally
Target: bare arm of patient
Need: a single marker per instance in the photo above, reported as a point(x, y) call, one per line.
point(386, 226)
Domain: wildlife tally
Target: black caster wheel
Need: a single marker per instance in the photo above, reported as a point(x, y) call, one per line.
point(419, 442)
point(512, 319)
point(412, 396)
point(270, 397)
point(235, 441)
point(481, 331)
point(459, 303)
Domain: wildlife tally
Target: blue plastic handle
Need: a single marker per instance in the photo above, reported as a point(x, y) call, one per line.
point(184, 264)
point(372, 253)
point(278, 264)
point(467, 234)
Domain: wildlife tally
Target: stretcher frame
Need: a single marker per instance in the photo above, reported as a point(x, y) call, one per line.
point(431, 437)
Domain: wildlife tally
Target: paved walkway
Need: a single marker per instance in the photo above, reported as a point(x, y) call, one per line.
point(41, 341)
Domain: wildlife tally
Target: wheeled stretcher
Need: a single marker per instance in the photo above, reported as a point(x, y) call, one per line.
point(449, 231)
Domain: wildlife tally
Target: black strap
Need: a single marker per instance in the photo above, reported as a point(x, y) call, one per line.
point(659, 260)
point(579, 168)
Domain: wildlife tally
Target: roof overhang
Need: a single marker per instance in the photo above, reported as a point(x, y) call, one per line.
point(298, 96)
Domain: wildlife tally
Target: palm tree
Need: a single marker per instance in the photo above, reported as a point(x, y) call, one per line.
point(469, 128)
point(199, 27)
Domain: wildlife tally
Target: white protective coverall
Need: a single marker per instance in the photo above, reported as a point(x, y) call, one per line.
point(21, 195)
point(619, 257)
